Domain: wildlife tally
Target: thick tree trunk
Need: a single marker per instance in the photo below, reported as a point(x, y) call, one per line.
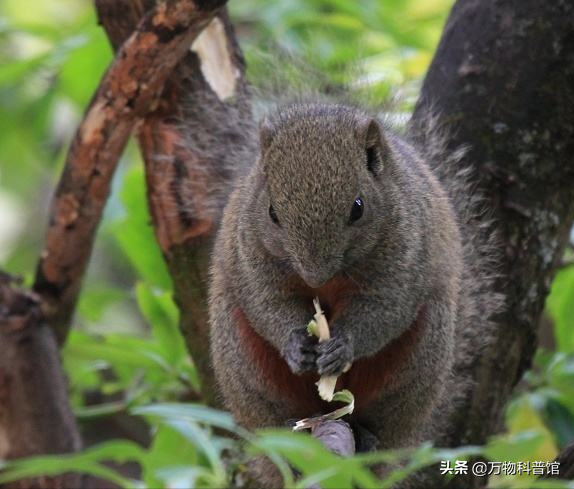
point(502, 81)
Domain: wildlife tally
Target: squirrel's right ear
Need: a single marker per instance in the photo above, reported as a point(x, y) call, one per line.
point(376, 148)
point(266, 133)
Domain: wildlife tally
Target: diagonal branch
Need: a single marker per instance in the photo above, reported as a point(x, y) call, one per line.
point(129, 89)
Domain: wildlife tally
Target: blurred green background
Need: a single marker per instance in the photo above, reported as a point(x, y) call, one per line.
point(125, 351)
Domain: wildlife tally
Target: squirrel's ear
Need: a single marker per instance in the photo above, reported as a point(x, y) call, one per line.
point(266, 133)
point(376, 148)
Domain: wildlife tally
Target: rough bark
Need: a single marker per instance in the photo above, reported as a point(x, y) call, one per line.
point(129, 89)
point(180, 178)
point(566, 463)
point(35, 417)
point(502, 81)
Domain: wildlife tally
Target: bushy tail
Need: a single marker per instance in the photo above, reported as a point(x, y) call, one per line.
point(480, 303)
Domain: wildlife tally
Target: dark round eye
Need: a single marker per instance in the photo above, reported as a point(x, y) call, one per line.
point(273, 216)
point(357, 210)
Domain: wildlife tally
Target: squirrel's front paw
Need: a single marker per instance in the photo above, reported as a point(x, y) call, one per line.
point(333, 355)
point(300, 352)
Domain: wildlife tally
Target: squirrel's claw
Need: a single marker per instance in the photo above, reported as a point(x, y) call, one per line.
point(300, 353)
point(333, 355)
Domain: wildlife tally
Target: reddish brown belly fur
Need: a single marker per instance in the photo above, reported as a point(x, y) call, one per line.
point(366, 378)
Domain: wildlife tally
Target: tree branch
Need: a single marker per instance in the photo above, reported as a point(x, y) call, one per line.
point(202, 117)
point(565, 461)
point(502, 80)
point(129, 89)
point(35, 417)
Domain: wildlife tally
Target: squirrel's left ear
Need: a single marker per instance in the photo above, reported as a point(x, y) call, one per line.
point(376, 149)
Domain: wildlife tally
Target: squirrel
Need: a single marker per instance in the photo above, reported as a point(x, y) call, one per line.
point(337, 206)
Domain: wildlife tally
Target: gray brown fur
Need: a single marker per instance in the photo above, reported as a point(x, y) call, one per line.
point(405, 253)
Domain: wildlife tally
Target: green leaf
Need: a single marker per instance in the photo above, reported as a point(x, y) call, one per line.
point(312, 328)
point(316, 478)
point(135, 235)
point(87, 462)
point(95, 299)
point(306, 454)
point(560, 304)
point(184, 448)
point(345, 396)
point(161, 313)
point(560, 420)
point(184, 477)
point(11, 73)
point(205, 442)
point(409, 461)
point(560, 377)
point(85, 66)
point(119, 350)
point(514, 448)
point(168, 449)
point(191, 412)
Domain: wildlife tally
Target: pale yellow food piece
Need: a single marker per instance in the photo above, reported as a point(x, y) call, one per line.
point(342, 396)
point(320, 328)
point(323, 332)
point(326, 385)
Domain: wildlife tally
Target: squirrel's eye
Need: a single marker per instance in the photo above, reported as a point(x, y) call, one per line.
point(273, 216)
point(357, 210)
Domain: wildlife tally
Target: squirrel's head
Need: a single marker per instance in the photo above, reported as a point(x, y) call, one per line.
point(323, 188)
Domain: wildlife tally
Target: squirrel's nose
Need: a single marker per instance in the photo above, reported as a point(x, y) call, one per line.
point(315, 278)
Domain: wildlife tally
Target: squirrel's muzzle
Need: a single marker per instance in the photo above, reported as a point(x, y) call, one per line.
point(317, 276)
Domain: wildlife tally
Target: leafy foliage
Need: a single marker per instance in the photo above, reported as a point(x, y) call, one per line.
point(560, 305)
point(126, 359)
